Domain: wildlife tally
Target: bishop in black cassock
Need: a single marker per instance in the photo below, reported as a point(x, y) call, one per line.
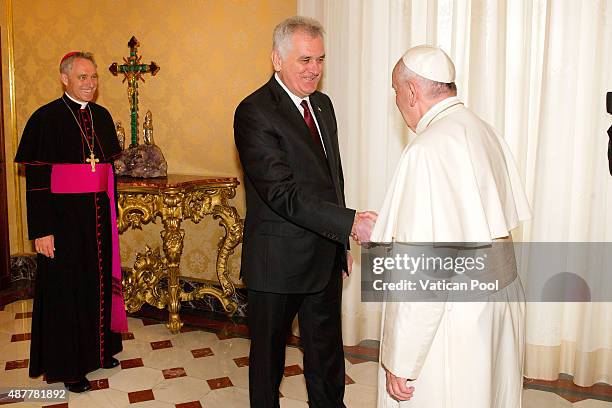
point(71, 322)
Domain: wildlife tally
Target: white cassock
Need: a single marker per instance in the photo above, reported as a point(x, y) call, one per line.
point(455, 182)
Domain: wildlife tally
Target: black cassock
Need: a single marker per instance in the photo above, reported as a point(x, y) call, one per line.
point(71, 333)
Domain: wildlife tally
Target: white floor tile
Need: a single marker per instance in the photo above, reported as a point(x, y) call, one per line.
point(240, 377)
point(360, 396)
point(232, 348)
point(5, 338)
point(294, 355)
point(539, 399)
point(18, 350)
point(152, 404)
point(16, 326)
point(135, 379)
point(207, 368)
point(231, 397)
point(134, 323)
point(364, 373)
point(294, 387)
point(133, 349)
point(291, 403)
point(102, 373)
point(101, 399)
point(167, 358)
point(18, 378)
point(182, 389)
point(154, 332)
point(6, 316)
point(592, 404)
point(195, 340)
point(20, 306)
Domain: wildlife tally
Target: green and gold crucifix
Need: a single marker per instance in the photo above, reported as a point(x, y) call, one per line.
point(133, 71)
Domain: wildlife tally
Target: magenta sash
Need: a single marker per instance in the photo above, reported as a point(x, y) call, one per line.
point(78, 178)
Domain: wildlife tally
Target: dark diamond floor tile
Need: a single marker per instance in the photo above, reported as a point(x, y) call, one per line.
point(16, 364)
point(192, 404)
point(293, 370)
point(140, 396)
point(348, 380)
point(5, 400)
point(293, 341)
point(174, 373)
point(355, 360)
point(99, 384)
point(158, 345)
point(127, 336)
point(21, 337)
point(203, 352)
point(242, 361)
point(131, 363)
point(362, 351)
point(217, 383)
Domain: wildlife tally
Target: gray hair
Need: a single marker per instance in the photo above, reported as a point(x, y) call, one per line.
point(284, 31)
point(66, 65)
point(431, 89)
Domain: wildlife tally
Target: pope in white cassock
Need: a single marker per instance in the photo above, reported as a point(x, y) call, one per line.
point(455, 182)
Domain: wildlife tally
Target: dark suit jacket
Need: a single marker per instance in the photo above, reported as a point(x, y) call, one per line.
point(296, 220)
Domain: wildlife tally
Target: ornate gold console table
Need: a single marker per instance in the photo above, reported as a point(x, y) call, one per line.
point(174, 199)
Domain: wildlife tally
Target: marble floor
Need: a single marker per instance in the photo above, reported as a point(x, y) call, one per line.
point(199, 368)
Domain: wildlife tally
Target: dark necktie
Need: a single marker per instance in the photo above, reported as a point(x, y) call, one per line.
point(312, 127)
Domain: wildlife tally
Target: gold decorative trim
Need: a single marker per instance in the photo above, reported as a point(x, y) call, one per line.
point(155, 277)
point(11, 78)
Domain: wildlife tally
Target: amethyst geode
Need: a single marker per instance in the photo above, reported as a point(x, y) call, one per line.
point(143, 161)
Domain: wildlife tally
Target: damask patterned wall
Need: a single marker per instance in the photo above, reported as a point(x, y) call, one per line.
point(212, 54)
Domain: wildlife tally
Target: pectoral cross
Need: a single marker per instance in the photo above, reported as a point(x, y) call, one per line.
point(92, 160)
point(133, 70)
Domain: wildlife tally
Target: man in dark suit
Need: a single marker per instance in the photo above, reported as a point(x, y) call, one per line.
point(297, 227)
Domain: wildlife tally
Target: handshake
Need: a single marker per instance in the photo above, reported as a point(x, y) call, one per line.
point(363, 226)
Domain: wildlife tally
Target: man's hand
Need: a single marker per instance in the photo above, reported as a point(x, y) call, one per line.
point(398, 388)
point(45, 246)
point(363, 226)
point(346, 272)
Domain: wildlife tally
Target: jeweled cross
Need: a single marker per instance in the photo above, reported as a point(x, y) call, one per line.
point(133, 71)
point(92, 160)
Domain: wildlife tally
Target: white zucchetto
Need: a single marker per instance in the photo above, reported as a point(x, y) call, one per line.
point(430, 62)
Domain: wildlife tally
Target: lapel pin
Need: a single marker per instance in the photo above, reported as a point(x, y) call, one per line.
point(319, 109)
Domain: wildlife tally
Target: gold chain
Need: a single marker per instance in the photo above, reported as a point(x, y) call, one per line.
point(93, 138)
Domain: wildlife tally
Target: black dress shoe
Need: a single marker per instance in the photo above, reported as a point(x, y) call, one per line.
point(110, 363)
point(80, 386)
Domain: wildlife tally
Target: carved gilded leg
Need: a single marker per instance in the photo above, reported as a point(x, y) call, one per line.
point(172, 239)
point(233, 225)
point(141, 283)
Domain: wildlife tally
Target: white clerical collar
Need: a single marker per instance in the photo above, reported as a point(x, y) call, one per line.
point(83, 104)
point(296, 99)
point(434, 111)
